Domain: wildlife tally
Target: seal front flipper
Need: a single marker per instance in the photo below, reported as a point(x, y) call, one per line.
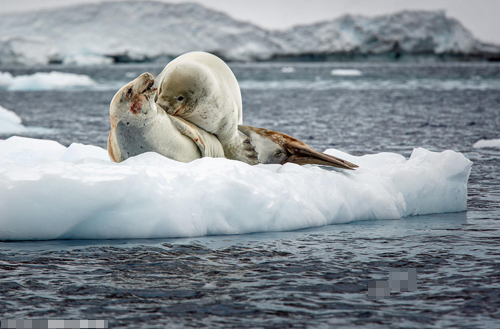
point(189, 130)
point(113, 148)
point(242, 149)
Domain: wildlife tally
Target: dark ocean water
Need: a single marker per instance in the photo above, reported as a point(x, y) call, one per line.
point(309, 278)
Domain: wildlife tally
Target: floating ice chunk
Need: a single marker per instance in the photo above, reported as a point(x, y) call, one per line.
point(484, 143)
point(345, 72)
point(87, 60)
point(6, 80)
point(48, 191)
point(288, 69)
point(10, 123)
point(45, 81)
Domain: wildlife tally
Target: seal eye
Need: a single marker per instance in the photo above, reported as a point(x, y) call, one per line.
point(180, 99)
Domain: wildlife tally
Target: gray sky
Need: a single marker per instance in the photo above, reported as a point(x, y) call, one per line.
point(479, 16)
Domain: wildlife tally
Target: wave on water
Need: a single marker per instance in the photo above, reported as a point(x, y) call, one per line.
point(371, 84)
point(48, 191)
point(338, 79)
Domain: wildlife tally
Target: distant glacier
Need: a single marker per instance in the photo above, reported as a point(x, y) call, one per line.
point(104, 33)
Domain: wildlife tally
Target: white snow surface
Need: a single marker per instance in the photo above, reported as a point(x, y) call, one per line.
point(487, 143)
point(10, 122)
point(48, 191)
point(45, 81)
point(147, 30)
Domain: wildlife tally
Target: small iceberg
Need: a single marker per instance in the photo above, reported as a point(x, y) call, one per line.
point(45, 81)
point(487, 143)
point(345, 72)
point(48, 191)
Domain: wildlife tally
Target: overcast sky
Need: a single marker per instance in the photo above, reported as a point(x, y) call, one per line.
point(481, 17)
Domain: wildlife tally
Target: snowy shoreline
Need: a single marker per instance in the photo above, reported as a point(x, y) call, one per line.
point(101, 34)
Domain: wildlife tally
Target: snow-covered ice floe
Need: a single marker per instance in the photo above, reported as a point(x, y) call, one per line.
point(48, 191)
point(45, 81)
point(487, 143)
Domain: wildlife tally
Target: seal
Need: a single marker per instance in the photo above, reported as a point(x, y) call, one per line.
point(275, 147)
point(200, 88)
point(138, 126)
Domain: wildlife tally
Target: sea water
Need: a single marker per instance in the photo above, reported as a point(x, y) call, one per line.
point(316, 277)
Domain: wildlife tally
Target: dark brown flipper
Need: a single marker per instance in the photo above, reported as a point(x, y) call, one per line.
point(302, 154)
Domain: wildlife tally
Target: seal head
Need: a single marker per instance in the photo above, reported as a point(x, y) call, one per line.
point(134, 100)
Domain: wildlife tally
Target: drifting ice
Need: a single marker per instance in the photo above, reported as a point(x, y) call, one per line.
point(45, 81)
point(48, 191)
point(10, 123)
point(346, 72)
point(487, 143)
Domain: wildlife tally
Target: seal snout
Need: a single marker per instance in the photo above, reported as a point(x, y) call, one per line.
point(164, 107)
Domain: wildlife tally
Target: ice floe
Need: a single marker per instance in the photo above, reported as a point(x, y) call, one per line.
point(288, 69)
point(346, 72)
point(487, 143)
point(10, 122)
point(87, 60)
point(45, 81)
point(48, 191)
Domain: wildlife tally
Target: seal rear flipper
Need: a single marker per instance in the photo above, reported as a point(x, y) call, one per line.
point(302, 154)
point(275, 147)
point(190, 130)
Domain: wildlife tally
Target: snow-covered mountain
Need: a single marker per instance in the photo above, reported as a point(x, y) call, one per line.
point(142, 31)
point(128, 31)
